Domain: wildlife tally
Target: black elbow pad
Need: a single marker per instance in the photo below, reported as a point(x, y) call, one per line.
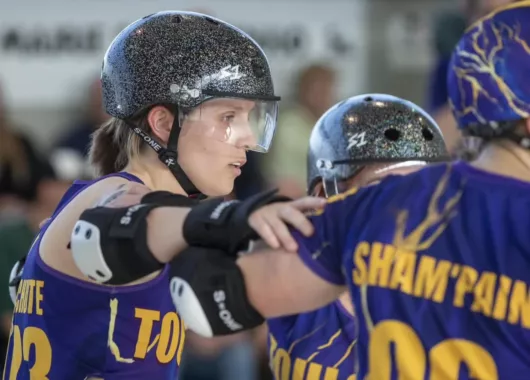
point(209, 293)
point(109, 245)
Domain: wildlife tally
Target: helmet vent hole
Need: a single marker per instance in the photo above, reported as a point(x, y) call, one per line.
point(176, 19)
point(368, 99)
point(392, 134)
point(212, 21)
point(427, 134)
point(258, 69)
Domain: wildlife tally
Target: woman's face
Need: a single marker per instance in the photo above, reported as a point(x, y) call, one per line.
point(213, 143)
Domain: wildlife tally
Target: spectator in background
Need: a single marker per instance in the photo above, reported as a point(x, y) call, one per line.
point(16, 236)
point(449, 27)
point(21, 168)
point(37, 201)
point(70, 154)
point(286, 162)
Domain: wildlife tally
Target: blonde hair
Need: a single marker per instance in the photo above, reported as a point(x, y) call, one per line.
point(114, 144)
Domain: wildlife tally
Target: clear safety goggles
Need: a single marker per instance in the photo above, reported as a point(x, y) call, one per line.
point(247, 123)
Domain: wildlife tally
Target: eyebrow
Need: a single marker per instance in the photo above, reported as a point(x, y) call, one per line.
point(229, 107)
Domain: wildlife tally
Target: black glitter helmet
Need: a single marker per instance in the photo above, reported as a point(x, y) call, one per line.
point(366, 129)
point(183, 59)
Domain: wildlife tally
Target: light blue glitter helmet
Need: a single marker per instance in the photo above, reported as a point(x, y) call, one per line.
point(489, 76)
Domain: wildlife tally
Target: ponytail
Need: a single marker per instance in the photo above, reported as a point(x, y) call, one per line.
point(114, 143)
point(104, 150)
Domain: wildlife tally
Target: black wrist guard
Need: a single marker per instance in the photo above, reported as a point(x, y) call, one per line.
point(223, 224)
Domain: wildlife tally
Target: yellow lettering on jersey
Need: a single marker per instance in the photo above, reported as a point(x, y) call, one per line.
point(464, 285)
point(147, 320)
point(167, 347)
point(169, 342)
point(395, 346)
point(360, 271)
point(495, 296)
point(380, 264)
point(32, 346)
point(302, 369)
point(501, 299)
point(170, 339)
point(402, 277)
point(38, 297)
point(484, 292)
point(29, 297)
point(519, 305)
point(19, 296)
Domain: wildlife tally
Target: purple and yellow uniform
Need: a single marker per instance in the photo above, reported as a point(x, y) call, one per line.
point(68, 329)
point(438, 265)
point(314, 345)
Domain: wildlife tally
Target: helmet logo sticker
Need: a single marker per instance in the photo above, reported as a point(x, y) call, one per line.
point(231, 73)
point(228, 72)
point(185, 93)
point(356, 140)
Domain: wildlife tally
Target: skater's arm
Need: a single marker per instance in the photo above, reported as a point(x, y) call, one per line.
point(279, 283)
point(164, 224)
point(134, 232)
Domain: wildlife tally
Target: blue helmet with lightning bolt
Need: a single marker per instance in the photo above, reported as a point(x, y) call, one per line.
point(489, 76)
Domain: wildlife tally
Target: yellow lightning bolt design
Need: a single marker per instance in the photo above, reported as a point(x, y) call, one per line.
point(416, 240)
point(480, 58)
point(114, 349)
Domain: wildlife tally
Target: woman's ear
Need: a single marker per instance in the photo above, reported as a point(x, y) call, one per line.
point(160, 121)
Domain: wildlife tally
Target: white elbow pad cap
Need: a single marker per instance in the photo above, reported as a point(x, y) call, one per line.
point(189, 307)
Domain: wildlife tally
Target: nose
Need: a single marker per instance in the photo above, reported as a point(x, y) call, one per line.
point(245, 137)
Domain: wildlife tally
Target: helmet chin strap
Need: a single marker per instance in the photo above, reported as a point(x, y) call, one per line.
point(169, 156)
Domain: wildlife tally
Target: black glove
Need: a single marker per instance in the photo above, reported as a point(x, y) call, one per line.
point(216, 223)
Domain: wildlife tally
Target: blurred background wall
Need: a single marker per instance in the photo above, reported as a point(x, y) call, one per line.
point(50, 54)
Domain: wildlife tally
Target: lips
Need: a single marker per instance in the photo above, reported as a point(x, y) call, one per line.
point(238, 164)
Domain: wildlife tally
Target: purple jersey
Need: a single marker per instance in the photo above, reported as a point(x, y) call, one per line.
point(68, 329)
point(319, 345)
point(438, 265)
